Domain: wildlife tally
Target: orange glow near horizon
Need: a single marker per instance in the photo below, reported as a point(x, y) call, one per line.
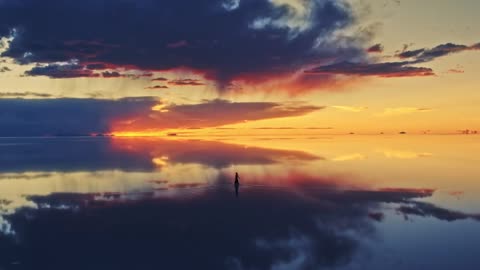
point(139, 133)
point(211, 133)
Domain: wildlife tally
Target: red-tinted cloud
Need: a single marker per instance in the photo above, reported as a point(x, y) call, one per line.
point(186, 82)
point(456, 71)
point(209, 153)
point(377, 48)
point(207, 115)
point(39, 117)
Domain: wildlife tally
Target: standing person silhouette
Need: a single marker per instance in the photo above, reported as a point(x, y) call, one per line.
point(237, 183)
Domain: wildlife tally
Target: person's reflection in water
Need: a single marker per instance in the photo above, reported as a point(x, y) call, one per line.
point(237, 183)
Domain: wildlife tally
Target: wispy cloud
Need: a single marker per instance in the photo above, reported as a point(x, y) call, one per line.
point(456, 71)
point(387, 69)
point(186, 82)
point(24, 94)
point(350, 108)
point(157, 87)
point(62, 71)
point(406, 67)
point(427, 55)
point(403, 154)
point(350, 157)
point(160, 79)
point(403, 111)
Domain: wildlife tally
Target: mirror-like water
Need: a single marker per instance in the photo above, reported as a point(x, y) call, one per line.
point(345, 202)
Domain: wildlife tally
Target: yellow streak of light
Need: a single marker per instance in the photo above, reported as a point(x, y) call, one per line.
point(161, 161)
point(160, 108)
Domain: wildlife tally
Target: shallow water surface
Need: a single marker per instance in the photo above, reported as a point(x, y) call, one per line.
point(344, 202)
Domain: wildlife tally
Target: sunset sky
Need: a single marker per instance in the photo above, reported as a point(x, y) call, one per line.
point(143, 67)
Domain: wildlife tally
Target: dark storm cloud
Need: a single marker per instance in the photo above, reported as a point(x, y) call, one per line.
point(379, 217)
point(224, 40)
point(210, 231)
point(67, 116)
point(97, 66)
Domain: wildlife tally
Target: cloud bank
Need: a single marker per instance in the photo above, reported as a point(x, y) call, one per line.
point(68, 116)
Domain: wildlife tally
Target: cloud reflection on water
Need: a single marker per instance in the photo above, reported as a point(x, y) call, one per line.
point(305, 226)
point(108, 203)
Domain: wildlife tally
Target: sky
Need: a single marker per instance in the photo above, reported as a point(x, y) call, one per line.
point(210, 67)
